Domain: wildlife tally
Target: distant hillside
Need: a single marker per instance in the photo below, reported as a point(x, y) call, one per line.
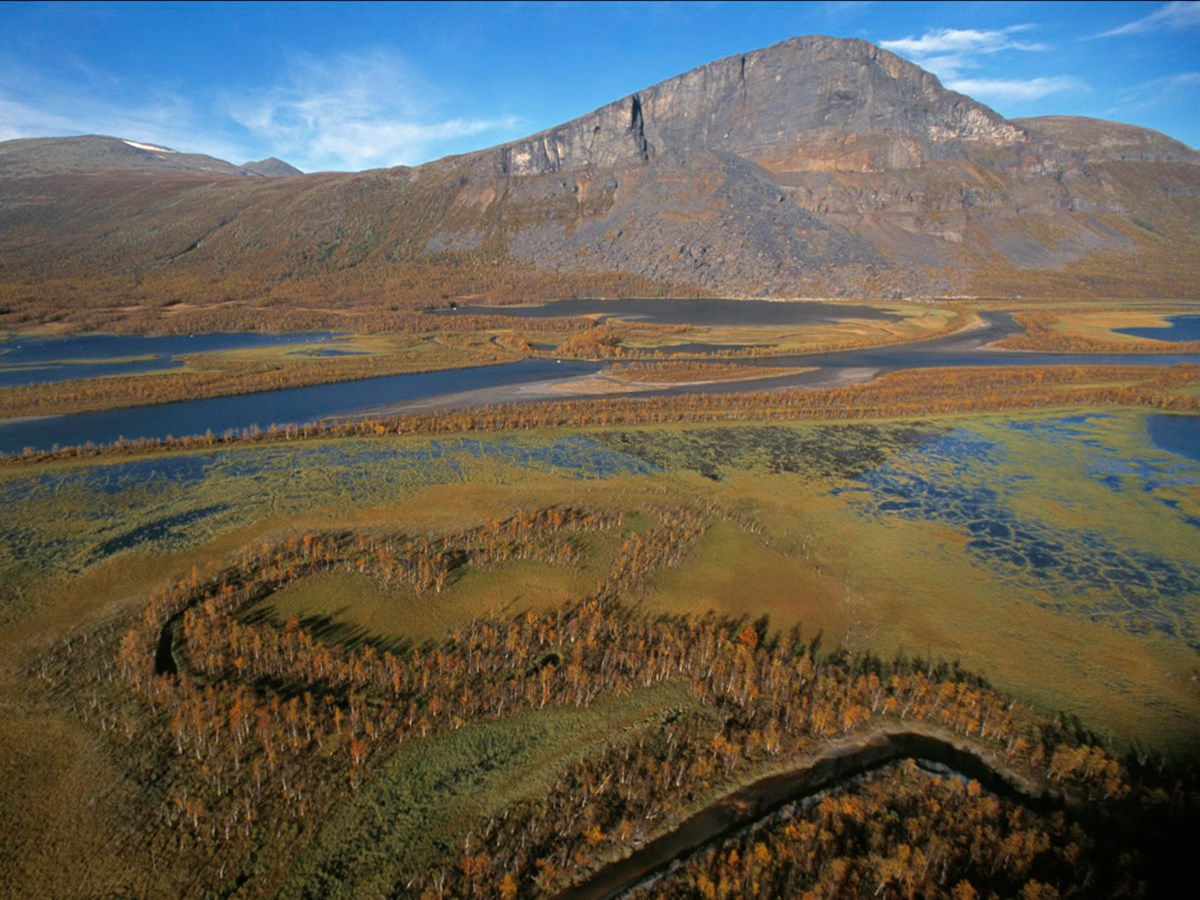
point(271, 167)
point(1100, 141)
point(815, 167)
point(98, 154)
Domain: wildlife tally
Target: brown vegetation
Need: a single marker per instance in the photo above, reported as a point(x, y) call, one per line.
point(908, 833)
point(1041, 332)
point(244, 727)
point(690, 372)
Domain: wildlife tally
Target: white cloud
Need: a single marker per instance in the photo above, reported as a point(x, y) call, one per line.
point(1003, 90)
point(956, 55)
point(40, 101)
point(1182, 80)
point(948, 51)
point(1173, 17)
point(354, 112)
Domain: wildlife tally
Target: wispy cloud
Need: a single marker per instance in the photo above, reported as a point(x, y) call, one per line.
point(47, 105)
point(1175, 88)
point(1172, 17)
point(956, 55)
point(947, 52)
point(354, 112)
point(346, 113)
point(1004, 90)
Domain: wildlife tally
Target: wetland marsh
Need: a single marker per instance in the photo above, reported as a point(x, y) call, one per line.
point(1078, 520)
point(329, 664)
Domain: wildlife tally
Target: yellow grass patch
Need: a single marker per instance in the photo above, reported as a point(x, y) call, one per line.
point(733, 573)
point(359, 606)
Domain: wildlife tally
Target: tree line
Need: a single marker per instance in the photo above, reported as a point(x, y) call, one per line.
point(918, 392)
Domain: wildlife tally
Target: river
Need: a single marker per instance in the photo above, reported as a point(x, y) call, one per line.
point(532, 379)
point(296, 406)
point(41, 360)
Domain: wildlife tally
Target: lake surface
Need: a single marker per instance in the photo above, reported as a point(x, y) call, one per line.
point(1182, 328)
point(33, 360)
point(1176, 434)
point(704, 312)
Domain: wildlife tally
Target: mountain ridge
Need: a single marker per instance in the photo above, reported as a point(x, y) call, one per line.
point(814, 167)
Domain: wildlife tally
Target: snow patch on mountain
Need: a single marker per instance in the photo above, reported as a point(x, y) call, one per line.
point(149, 147)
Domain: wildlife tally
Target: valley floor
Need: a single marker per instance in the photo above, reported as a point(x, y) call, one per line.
point(261, 668)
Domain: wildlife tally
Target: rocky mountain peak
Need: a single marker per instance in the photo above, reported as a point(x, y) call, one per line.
point(807, 104)
point(815, 167)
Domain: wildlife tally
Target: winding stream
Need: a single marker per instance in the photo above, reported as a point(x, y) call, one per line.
point(756, 801)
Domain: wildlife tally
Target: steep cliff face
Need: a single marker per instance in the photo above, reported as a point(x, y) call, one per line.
point(818, 165)
point(808, 104)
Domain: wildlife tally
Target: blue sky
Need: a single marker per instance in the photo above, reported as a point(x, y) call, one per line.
point(348, 86)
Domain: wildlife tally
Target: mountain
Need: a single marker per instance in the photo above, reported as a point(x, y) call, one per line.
point(99, 154)
point(271, 167)
point(808, 104)
point(1095, 140)
point(818, 166)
